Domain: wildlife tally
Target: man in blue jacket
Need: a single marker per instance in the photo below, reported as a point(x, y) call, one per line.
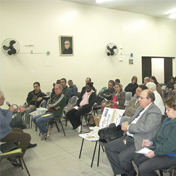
point(12, 134)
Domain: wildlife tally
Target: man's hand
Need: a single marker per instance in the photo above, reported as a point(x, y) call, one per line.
point(124, 126)
point(79, 107)
point(147, 143)
point(39, 99)
point(31, 106)
point(57, 108)
point(11, 108)
point(21, 109)
point(150, 154)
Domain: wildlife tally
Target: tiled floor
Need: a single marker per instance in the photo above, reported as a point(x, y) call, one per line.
point(59, 156)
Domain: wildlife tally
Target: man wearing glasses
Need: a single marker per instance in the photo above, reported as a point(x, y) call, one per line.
point(143, 125)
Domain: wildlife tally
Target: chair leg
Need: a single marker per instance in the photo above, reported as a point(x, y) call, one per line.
point(102, 148)
point(161, 173)
point(93, 154)
point(62, 127)
point(57, 126)
point(81, 148)
point(98, 155)
point(25, 166)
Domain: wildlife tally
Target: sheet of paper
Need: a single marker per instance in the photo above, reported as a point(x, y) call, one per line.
point(143, 151)
point(88, 137)
point(76, 107)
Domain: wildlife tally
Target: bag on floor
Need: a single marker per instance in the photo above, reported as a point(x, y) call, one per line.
point(17, 122)
point(110, 133)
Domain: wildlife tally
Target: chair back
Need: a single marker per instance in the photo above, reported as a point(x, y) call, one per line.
point(72, 100)
point(128, 97)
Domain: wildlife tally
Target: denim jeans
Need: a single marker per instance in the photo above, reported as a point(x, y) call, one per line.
point(40, 122)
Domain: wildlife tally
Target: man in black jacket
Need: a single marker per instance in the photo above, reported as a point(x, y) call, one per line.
point(33, 101)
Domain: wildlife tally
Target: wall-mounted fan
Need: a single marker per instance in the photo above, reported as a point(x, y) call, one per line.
point(111, 49)
point(10, 47)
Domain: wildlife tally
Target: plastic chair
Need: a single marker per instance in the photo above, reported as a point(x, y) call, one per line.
point(15, 153)
point(58, 118)
point(73, 100)
point(128, 97)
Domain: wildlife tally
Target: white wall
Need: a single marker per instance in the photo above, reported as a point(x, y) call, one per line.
point(40, 24)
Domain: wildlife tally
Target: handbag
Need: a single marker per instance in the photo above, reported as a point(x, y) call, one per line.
point(108, 104)
point(110, 133)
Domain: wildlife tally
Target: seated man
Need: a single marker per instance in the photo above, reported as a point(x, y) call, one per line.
point(107, 94)
point(84, 88)
point(158, 100)
point(146, 80)
point(143, 125)
point(134, 102)
point(66, 91)
point(12, 134)
point(33, 100)
point(56, 104)
point(73, 88)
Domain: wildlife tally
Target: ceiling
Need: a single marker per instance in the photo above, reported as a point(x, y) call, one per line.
point(154, 8)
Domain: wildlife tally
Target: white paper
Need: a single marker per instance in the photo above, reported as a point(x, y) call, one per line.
point(143, 151)
point(76, 107)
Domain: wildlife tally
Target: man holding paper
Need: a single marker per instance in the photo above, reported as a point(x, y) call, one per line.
point(142, 125)
point(163, 146)
point(56, 105)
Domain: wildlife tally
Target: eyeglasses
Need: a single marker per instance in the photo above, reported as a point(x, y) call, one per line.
point(2, 98)
point(138, 90)
point(142, 98)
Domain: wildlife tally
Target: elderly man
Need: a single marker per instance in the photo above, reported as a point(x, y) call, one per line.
point(66, 91)
point(134, 102)
point(33, 100)
point(56, 104)
point(143, 125)
point(158, 100)
point(146, 80)
point(12, 134)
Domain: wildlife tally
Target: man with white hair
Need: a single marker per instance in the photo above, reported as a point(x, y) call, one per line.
point(146, 80)
point(158, 100)
point(56, 104)
point(12, 134)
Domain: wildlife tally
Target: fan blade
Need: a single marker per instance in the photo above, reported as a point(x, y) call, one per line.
point(12, 42)
point(5, 47)
point(13, 51)
point(108, 53)
point(108, 48)
point(10, 52)
point(112, 53)
point(114, 47)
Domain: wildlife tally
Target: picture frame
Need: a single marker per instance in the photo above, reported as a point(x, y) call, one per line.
point(66, 45)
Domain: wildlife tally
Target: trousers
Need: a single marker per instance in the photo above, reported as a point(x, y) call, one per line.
point(120, 155)
point(147, 166)
point(17, 135)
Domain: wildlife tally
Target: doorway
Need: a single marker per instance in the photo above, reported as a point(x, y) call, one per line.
point(160, 67)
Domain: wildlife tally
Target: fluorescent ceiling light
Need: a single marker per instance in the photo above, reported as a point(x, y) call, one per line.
point(100, 1)
point(173, 15)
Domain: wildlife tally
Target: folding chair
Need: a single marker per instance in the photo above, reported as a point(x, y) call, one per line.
point(15, 153)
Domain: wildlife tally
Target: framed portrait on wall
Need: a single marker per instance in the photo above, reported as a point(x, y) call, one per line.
point(66, 45)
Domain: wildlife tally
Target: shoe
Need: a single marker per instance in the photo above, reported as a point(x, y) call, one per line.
point(78, 129)
point(32, 145)
point(44, 137)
